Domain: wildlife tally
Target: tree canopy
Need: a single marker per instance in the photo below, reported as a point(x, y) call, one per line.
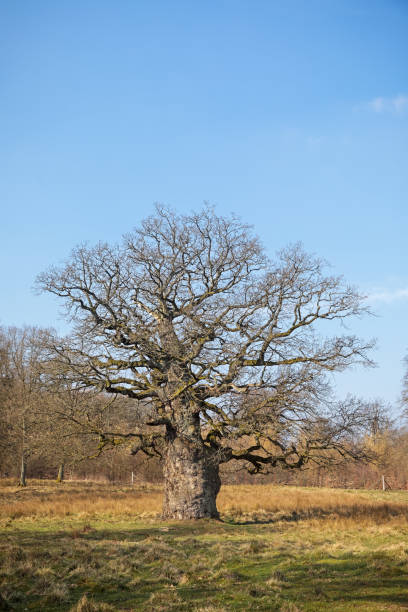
point(223, 350)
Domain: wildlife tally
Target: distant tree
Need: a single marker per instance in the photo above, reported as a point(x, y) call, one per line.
point(6, 439)
point(221, 350)
point(405, 387)
point(74, 419)
point(382, 434)
point(23, 357)
point(61, 441)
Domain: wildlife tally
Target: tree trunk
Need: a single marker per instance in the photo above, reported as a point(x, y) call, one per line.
point(192, 481)
point(23, 472)
point(60, 477)
point(191, 469)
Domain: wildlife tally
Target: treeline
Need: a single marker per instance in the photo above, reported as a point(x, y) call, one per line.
point(52, 430)
point(49, 428)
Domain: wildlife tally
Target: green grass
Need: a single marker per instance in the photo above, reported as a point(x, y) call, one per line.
point(303, 564)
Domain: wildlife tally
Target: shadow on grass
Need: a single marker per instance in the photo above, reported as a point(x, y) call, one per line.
point(353, 578)
point(128, 567)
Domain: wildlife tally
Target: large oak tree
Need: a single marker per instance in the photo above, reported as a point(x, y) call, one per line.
point(224, 352)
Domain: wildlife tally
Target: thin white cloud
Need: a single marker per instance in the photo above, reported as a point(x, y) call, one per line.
point(396, 105)
point(388, 296)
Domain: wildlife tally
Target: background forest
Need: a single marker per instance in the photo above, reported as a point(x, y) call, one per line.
point(50, 433)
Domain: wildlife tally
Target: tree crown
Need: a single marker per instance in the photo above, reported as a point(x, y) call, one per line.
point(189, 316)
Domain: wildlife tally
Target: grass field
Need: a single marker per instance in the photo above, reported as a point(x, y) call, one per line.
point(86, 547)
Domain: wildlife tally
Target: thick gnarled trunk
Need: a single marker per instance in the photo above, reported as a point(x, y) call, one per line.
point(191, 480)
point(191, 469)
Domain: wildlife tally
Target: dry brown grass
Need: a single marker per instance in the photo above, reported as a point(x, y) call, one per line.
point(87, 605)
point(240, 502)
point(266, 501)
point(49, 499)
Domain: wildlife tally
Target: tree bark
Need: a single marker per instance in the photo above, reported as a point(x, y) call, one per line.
point(60, 477)
point(23, 471)
point(192, 481)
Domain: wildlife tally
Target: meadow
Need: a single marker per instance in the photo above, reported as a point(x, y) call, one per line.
point(88, 547)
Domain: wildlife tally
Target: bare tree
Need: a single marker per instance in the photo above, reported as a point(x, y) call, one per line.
point(23, 356)
point(75, 420)
point(222, 350)
point(404, 396)
point(6, 438)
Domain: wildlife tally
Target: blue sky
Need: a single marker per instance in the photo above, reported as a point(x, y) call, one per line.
point(292, 114)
